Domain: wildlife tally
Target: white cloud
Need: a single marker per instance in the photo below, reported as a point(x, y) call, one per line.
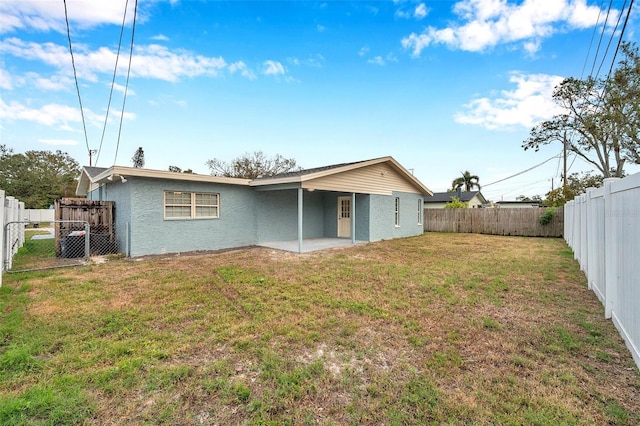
point(316, 61)
point(363, 51)
point(59, 142)
point(54, 115)
point(487, 23)
point(273, 68)
point(420, 11)
point(6, 82)
point(376, 60)
point(530, 102)
point(242, 68)
point(160, 37)
point(49, 15)
point(149, 61)
point(321, 28)
point(120, 88)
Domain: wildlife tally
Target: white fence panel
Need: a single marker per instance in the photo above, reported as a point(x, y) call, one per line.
point(603, 229)
point(39, 215)
point(11, 210)
point(595, 233)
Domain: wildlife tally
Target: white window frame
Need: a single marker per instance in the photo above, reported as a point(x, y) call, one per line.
point(420, 211)
point(397, 211)
point(192, 205)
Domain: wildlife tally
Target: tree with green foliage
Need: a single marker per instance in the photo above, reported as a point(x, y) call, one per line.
point(176, 169)
point(37, 177)
point(455, 203)
point(138, 158)
point(251, 166)
point(600, 118)
point(577, 183)
point(467, 182)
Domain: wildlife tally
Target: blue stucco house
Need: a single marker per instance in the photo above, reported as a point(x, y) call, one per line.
point(165, 212)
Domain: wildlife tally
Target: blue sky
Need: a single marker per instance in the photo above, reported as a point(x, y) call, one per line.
point(442, 86)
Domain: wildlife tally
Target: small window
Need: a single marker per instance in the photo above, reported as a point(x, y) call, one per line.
point(190, 205)
point(420, 212)
point(397, 211)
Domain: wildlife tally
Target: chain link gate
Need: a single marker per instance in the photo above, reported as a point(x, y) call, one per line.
point(32, 246)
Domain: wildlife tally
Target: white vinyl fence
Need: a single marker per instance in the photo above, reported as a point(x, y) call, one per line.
point(602, 227)
point(39, 215)
point(11, 210)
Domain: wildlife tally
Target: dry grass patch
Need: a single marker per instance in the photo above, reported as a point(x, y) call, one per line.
point(441, 328)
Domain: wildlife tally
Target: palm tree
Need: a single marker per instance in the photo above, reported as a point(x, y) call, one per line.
point(466, 181)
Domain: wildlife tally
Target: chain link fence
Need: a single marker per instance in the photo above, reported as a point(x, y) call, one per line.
point(34, 245)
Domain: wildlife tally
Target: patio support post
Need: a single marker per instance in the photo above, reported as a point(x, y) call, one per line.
point(300, 195)
point(353, 218)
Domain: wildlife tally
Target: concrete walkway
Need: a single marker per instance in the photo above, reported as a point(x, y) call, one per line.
point(309, 245)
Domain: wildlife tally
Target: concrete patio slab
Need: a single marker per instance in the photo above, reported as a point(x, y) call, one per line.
point(311, 244)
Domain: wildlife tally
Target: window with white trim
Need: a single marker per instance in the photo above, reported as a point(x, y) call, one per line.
point(397, 211)
point(420, 212)
point(191, 205)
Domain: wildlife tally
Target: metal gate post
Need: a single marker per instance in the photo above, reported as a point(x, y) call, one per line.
point(87, 236)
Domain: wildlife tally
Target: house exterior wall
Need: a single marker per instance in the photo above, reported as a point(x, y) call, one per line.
point(382, 225)
point(140, 203)
point(277, 215)
point(331, 215)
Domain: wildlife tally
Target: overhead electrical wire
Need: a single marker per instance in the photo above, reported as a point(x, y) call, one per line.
point(126, 86)
point(75, 77)
point(624, 27)
point(604, 27)
point(593, 35)
point(113, 81)
point(524, 171)
point(604, 56)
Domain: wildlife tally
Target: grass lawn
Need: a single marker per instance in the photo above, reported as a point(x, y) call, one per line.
point(441, 328)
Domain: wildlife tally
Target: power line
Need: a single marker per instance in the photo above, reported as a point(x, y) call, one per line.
point(611, 38)
point(593, 35)
point(524, 171)
point(75, 76)
point(126, 86)
point(624, 27)
point(113, 80)
point(604, 27)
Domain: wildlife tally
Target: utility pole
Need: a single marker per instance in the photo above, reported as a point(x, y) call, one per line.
point(91, 152)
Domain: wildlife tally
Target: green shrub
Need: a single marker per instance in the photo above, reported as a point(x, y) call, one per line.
point(546, 217)
point(455, 203)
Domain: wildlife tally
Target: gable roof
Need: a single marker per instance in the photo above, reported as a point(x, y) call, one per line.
point(307, 178)
point(445, 197)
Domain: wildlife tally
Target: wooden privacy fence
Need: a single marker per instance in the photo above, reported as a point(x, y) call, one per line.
point(71, 212)
point(603, 229)
point(494, 221)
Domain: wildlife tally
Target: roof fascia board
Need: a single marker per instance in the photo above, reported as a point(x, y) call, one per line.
point(162, 174)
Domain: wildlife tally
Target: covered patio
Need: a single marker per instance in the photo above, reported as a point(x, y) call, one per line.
point(310, 244)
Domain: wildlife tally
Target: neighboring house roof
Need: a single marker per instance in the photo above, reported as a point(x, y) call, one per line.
point(445, 197)
point(520, 203)
point(372, 176)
